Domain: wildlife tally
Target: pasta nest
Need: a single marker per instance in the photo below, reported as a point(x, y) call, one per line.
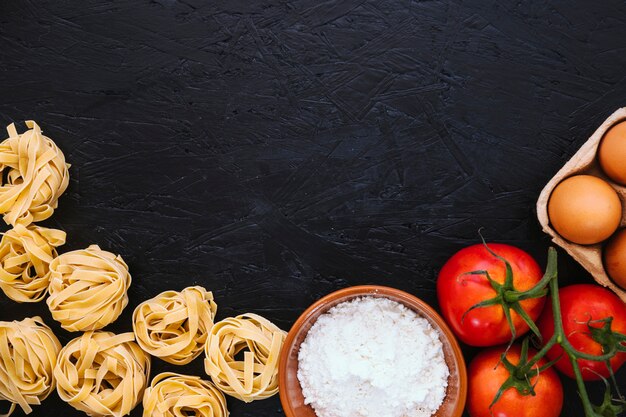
point(175, 395)
point(34, 175)
point(102, 374)
point(87, 288)
point(28, 354)
point(174, 325)
point(254, 378)
point(25, 256)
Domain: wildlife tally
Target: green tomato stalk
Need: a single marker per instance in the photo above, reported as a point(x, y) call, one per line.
point(522, 374)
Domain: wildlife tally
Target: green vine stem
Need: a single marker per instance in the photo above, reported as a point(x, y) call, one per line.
point(612, 342)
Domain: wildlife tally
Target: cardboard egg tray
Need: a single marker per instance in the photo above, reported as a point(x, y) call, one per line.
point(585, 162)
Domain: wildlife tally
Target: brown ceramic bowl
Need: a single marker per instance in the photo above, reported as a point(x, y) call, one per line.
point(290, 391)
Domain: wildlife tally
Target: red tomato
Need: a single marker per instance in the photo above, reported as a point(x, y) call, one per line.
point(486, 326)
point(579, 304)
point(485, 381)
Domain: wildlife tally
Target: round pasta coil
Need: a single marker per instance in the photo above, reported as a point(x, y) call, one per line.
point(256, 376)
point(175, 395)
point(87, 288)
point(25, 256)
point(34, 175)
point(102, 374)
point(28, 354)
point(174, 325)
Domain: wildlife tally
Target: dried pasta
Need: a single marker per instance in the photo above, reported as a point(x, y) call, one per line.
point(87, 288)
point(254, 378)
point(28, 354)
point(25, 256)
point(102, 374)
point(175, 395)
point(174, 325)
point(35, 175)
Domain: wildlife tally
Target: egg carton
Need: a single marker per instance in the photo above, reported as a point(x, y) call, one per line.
point(585, 162)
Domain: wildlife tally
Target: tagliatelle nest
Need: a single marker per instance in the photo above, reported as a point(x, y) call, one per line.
point(254, 378)
point(102, 374)
point(34, 175)
point(25, 256)
point(175, 395)
point(87, 288)
point(174, 325)
point(28, 354)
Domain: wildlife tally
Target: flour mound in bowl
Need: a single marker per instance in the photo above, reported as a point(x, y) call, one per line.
point(372, 357)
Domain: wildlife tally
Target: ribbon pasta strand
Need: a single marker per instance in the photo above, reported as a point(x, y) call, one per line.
point(28, 354)
point(25, 256)
point(88, 288)
point(174, 325)
point(175, 395)
point(254, 378)
point(34, 175)
point(102, 374)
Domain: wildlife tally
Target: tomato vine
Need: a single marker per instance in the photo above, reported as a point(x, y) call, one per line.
point(520, 375)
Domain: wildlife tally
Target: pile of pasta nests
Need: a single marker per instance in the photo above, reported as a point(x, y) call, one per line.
point(101, 373)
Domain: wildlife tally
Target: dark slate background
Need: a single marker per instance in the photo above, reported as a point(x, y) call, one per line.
point(275, 151)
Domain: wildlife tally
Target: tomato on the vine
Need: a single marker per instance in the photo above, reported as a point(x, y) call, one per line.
point(582, 304)
point(458, 292)
point(486, 377)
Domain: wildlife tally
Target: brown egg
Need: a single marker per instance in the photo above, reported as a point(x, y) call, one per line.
point(584, 209)
point(615, 258)
point(612, 153)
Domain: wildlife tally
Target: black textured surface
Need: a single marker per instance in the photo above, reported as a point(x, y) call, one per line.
point(276, 151)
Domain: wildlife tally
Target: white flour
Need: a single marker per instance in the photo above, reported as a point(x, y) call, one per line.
point(372, 357)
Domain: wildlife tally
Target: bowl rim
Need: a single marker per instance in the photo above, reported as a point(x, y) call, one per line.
point(365, 290)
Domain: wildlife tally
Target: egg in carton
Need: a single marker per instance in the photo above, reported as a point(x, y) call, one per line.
point(585, 162)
